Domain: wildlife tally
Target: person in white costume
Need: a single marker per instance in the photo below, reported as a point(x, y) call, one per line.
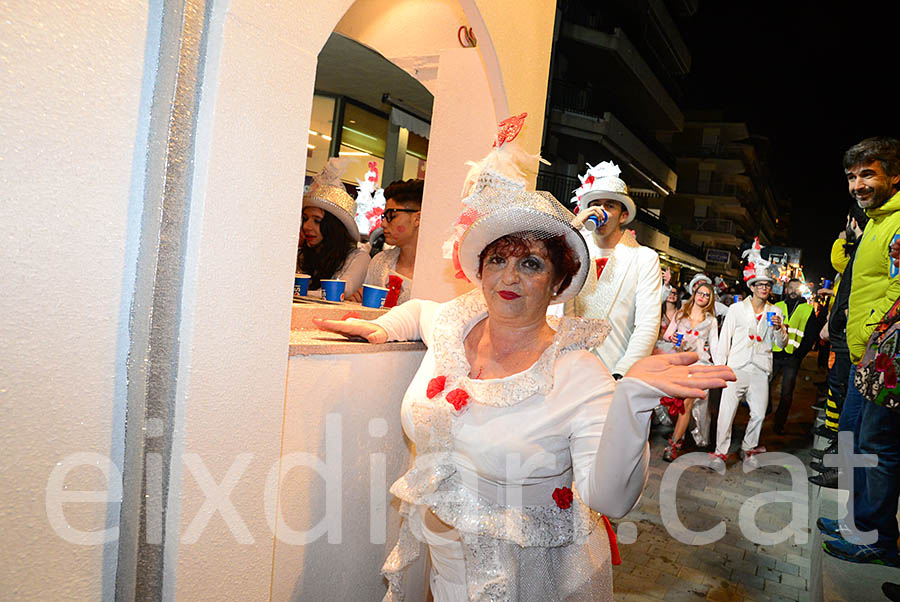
point(750, 329)
point(509, 411)
point(624, 286)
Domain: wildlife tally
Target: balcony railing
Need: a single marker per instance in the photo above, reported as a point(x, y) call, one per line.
point(721, 150)
point(721, 226)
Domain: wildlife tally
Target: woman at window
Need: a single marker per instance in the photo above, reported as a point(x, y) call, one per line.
point(329, 235)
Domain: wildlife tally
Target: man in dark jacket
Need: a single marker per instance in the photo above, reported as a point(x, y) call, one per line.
point(840, 370)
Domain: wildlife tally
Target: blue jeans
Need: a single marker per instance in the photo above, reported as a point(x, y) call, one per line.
point(876, 430)
point(879, 433)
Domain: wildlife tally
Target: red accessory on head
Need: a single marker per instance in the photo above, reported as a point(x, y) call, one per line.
point(563, 497)
point(509, 129)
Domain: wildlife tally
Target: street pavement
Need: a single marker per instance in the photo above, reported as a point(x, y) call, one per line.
point(656, 566)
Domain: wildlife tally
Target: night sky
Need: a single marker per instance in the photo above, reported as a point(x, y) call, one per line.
point(815, 79)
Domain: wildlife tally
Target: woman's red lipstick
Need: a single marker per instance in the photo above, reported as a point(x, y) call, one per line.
point(509, 295)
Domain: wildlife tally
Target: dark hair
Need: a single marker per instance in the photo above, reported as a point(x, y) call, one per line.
point(880, 148)
point(563, 259)
point(662, 309)
point(795, 280)
point(408, 193)
point(323, 260)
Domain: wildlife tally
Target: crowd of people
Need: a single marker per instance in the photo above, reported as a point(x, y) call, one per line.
point(573, 340)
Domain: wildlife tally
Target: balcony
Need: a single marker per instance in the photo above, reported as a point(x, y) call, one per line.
point(715, 232)
point(637, 87)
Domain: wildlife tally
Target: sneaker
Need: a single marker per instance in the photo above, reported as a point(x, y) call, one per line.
point(819, 466)
point(820, 453)
point(824, 431)
point(829, 526)
point(827, 479)
point(749, 453)
point(836, 528)
point(859, 553)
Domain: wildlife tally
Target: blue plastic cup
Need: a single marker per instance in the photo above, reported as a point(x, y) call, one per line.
point(301, 284)
point(737, 298)
point(678, 338)
point(373, 296)
point(333, 290)
point(769, 316)
point(593, 222)
point(827, 284)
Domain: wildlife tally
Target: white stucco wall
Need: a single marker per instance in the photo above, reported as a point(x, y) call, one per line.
point(71, 155)
point(73, 118)
point(360, 394)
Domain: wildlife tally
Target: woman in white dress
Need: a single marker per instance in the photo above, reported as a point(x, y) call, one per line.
point(699, 333)
point(510, 412)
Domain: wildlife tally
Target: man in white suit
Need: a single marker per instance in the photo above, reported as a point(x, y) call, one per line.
point(745, 344)
point(625, 285)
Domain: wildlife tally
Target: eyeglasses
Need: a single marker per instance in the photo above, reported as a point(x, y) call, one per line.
point(390, 214)
point(762, 285)
point(703, 294)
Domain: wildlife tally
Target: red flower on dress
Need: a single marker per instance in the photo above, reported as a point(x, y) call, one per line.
point(563, 497)
point(882, 361)
point(458, 398)
point(674, 405)
point(435, 386)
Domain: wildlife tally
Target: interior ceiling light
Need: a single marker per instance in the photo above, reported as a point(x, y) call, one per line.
point(310, 146)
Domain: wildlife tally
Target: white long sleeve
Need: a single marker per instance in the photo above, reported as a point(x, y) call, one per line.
point(410, 321)
point(610, 453)
point(646, 313)
point(720, 355)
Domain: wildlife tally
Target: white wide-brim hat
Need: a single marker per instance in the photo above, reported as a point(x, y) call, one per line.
point(758, 278)
point(338, 203)
point(698, 278)
point(537, 213)
point(623, 198)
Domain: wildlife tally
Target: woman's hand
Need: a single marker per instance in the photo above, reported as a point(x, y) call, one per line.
point(895, 252)
point(582, 216)
point(355, 297)
point(677, 375)
point(353, 328)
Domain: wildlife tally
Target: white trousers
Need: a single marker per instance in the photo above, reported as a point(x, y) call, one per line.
point(752, 384)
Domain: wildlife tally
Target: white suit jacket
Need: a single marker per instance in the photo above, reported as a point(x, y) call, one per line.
point(746, 340)
point(627, 295)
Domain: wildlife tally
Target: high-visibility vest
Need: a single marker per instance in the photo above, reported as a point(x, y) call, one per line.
point(796, 325)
